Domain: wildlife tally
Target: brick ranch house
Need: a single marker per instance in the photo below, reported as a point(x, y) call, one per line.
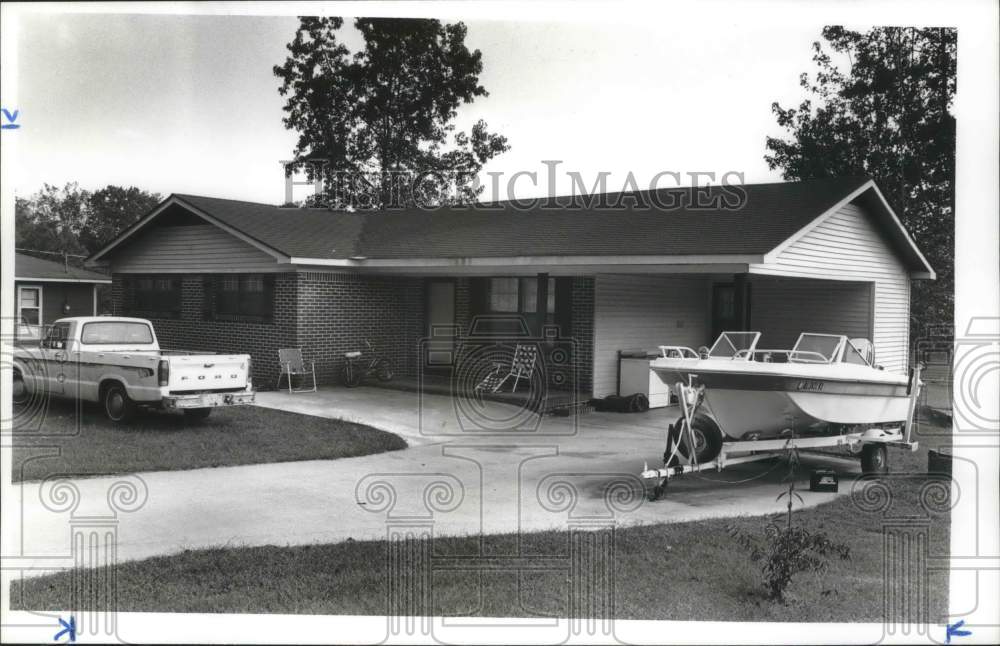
point(224, 275)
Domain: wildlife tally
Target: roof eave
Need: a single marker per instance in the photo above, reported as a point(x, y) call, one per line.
point(555, 260)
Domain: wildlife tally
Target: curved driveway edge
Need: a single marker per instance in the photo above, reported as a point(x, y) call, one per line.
point(571, 473)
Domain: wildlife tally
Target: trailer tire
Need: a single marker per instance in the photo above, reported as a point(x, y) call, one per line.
point(708, 438)
point(874, 459)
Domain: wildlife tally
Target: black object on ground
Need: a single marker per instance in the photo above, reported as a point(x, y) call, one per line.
point(637, 403)
point(824, 480)
point(938, 462)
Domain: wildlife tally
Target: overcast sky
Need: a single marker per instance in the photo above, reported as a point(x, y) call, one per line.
point(189, 104)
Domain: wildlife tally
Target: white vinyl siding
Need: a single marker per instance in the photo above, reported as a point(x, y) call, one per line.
point(847, 247)
point(783, 308)
point(190, 249)
point(634, 312)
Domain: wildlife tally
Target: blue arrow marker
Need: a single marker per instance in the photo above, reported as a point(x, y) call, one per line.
point(11, 118)
point(953, 631)
point(67, 628)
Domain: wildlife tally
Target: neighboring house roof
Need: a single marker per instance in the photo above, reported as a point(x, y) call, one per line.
point(35, 269)
point(770, 215)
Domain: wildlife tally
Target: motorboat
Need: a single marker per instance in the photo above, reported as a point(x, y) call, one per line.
point(825, 384)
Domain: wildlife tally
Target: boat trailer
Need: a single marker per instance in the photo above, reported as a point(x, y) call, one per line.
point(680, 456)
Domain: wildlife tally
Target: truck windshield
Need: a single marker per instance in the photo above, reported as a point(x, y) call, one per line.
point(116, 333)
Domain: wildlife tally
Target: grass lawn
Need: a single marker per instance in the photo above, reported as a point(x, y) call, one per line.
point(677, 571)
point(82, 442)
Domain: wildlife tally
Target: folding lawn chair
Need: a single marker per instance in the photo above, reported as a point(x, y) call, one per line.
point(292, 364)
point(522, 366)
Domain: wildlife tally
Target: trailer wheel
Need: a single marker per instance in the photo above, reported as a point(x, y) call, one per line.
point(707, 438)
point(874, 459)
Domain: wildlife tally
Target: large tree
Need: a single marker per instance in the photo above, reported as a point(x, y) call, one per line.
point(71, 220)
point(883, 108)
point(381, 120)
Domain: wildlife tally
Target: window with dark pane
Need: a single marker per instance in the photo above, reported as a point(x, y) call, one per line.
point(244, 297)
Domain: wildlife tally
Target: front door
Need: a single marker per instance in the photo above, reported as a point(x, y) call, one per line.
point(439, 350)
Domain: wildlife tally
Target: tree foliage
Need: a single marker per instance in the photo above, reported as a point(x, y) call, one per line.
point(382, 119)
point(888, 116)
point(75, 221)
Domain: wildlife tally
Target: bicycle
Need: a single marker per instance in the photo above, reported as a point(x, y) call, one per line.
point(354, 374)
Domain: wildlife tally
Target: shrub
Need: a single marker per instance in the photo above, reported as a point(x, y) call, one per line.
point(783, 552)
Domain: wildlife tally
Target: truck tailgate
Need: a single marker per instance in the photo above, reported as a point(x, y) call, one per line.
point(207, 372)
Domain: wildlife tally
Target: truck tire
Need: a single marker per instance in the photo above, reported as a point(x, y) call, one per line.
point(874, 459)
point(118, 406)
point(19, 389)
point(197, 414)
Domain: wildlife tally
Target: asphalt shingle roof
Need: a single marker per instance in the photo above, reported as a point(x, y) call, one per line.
point(770, 214)
point(26, 266)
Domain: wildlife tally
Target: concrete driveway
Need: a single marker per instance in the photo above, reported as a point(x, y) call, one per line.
point(457, 478)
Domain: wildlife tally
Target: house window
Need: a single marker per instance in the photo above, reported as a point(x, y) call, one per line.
point(519, 295)
point(29, 305)
point(529, 295)
point(159, 296)
point(244, 297)
point(503, 295)
point(29, 313)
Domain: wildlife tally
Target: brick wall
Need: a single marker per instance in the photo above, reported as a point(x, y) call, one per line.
point(337, 312)
point(328, 314)
point(192, 332)
point(582, 330)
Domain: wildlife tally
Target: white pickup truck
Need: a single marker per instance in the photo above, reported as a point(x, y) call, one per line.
point(117, 362)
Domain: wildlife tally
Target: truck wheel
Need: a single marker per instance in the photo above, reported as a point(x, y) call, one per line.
point(874, 459)
point(118, 406)
point(197, 414)
point(20, 392)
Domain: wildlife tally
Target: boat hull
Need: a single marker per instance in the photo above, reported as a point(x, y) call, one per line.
point(747, 402)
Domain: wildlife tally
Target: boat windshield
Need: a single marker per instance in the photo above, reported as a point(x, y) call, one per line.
point(732, 344)
point(852, 353)
point(815, 348)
